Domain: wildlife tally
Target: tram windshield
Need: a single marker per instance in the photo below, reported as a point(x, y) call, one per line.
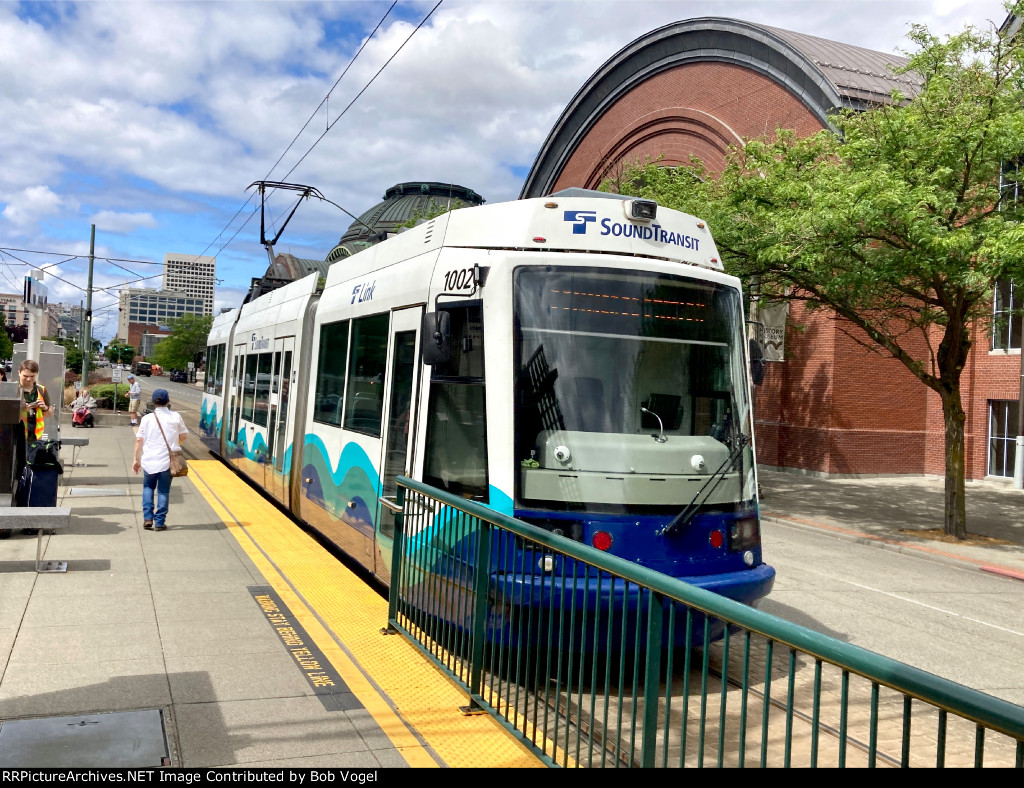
point(630, 390)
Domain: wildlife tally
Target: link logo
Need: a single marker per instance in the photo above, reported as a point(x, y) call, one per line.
point(579, 220)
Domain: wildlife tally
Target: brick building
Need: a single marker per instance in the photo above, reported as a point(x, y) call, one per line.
point(831, 406)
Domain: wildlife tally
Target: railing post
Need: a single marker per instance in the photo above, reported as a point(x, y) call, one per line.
point(652, 680)
point(482, 585)
point(397, 548)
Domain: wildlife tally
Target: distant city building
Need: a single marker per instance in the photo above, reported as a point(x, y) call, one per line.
point(144, 308)
point(12, 307)
point(69, 319)
point(147, 343)
point(192, 275)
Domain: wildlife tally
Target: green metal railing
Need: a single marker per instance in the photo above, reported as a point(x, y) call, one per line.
point(521, 618)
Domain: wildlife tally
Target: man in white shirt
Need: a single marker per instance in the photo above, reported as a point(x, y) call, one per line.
point(160, 433)
point(134, 399)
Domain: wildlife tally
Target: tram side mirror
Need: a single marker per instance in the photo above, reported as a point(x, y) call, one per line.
point(437, 338)
point(756, 362)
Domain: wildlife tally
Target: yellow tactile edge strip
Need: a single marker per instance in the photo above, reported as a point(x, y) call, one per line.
point(309, 579)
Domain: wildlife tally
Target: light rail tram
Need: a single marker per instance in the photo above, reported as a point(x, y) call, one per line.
point(579, 362)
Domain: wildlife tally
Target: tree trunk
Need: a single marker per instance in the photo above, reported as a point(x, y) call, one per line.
point(955, 509)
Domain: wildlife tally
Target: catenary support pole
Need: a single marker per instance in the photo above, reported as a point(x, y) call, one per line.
point(1018, 468)
point(87, 317)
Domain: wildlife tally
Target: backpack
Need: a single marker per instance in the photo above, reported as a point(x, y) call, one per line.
point(40, 454)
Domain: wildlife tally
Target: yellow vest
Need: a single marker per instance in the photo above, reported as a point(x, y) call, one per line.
point(39, 425)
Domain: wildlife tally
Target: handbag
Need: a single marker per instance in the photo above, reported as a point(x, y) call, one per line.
point(179, 467)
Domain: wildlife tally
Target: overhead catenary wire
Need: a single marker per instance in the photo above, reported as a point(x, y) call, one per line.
point(330, 125)
point(329, 92)
point(249, 199)
point(365, 87)
point(325, 100)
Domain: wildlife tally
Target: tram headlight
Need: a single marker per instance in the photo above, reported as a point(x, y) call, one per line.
point(641, 210)
point(744, 534)
point(546, 563)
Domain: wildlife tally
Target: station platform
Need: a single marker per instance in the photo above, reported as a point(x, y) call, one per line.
point(232, 639)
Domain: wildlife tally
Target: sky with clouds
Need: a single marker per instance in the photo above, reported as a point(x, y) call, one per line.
point(149, 120)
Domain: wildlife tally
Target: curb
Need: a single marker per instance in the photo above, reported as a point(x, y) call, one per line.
point(920, 551)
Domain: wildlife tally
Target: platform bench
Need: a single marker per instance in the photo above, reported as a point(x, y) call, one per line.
point(74, 442)
point(43, 518)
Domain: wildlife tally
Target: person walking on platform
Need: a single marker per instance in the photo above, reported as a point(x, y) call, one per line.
point(134, 399)
point(160, 433)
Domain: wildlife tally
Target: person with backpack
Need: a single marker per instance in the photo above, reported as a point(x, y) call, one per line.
point(38, 477)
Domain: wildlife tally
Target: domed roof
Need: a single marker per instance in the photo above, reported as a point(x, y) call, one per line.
point(401, 203)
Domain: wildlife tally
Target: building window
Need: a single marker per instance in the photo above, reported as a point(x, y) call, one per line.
point(1003, 429)
point(1007, 316)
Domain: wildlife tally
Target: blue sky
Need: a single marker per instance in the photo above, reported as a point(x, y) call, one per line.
point(151, 119)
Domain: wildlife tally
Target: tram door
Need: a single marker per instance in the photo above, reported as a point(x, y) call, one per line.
point(399, 421)
point(235, 403)
point(277, 426)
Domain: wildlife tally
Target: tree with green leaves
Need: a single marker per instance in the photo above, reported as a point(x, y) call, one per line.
point(72, 354)
point(892, 218)
point(186, 343)
point(6, 345)
point(113, 350)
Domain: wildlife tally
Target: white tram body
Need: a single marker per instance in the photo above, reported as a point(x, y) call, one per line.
point(576, 361)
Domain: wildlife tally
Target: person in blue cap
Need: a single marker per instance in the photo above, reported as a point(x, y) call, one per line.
point(160, 433)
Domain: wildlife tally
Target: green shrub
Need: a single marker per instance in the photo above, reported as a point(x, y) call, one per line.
point(106, 391)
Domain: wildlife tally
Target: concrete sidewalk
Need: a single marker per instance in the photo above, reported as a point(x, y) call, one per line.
point(903, 513)
point(165, 623)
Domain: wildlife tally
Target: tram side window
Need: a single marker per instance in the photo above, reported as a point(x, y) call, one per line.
point(218, 377)
point(249, 388)
point(263, 370)
point(456, 445)
point(330, 373)
point(215, 369)
point(364, 397)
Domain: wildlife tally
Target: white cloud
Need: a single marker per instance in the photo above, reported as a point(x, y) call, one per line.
point(151, 119)
point(114, 222)
point(30, 204)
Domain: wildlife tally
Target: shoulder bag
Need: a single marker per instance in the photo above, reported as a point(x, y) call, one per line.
point(179, 467)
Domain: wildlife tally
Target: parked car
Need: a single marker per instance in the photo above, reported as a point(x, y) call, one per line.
point(179, 376)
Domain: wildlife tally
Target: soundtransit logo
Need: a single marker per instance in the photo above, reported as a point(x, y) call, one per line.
point(579, 220)
point(653, 232)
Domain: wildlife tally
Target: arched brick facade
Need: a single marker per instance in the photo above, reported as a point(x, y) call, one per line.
point(696, 88)
point(699, 109)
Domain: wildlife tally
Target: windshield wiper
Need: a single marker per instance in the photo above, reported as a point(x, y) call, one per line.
point(684, 517)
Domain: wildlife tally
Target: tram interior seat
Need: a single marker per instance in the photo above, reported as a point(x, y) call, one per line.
point(328, 408)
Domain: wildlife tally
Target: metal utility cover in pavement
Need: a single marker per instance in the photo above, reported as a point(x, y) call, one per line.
point(124, 739)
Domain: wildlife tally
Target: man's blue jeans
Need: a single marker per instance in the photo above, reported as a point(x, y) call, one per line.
point(161, 482)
